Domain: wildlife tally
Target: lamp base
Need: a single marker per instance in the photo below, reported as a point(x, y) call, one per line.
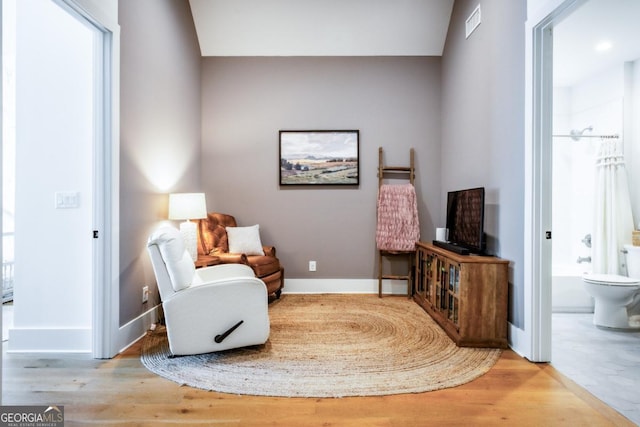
point(188, 231)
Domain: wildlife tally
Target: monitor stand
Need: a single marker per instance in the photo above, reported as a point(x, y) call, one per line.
point(451, 247)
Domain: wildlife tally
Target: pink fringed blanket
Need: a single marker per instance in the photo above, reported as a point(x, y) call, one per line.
point(398, 227)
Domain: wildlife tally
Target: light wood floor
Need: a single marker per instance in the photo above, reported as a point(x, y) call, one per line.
point(123, 392)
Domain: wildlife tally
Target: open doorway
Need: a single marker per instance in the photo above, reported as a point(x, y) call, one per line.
point(8, 164)
point(582, 94)
point(596, 76)
point(62, 179)
point(51, 201)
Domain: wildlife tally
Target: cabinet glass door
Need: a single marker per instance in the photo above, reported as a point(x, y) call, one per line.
point(453, 293)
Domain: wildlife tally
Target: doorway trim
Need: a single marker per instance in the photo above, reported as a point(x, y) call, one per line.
point(538, 176)
point(1, 180)
point(105, 292)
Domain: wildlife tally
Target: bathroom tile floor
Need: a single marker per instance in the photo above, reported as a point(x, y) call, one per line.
point(605, 362)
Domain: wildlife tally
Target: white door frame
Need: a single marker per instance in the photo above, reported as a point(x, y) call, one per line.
point(1, 194)
point(105, 181)
point(536, 345)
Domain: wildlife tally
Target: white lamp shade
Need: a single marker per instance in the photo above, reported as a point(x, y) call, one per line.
point(187, 206)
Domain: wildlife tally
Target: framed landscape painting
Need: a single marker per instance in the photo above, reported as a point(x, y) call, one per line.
point(319, 157)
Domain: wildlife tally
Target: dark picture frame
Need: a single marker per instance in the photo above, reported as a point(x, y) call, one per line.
point(319, 157)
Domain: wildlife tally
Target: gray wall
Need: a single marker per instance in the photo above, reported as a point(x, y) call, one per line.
point(463, 114)
point(394, 102)
point(483, 125)
point(159, 129)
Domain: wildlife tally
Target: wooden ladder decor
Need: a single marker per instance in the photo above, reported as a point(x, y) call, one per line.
point(398, 171)
point(410, 171)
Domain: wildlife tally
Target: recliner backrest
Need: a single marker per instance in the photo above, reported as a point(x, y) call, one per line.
point(172, 264)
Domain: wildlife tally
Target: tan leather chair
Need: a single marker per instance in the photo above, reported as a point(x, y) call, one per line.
point(213, 241)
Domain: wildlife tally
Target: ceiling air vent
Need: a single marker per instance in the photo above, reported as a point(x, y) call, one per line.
point(473, 21)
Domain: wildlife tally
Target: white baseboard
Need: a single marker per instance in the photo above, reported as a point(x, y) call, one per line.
point(518, 341)
point(343, 286)
point(25, 340)
point(571, 309)
point(79, 340)
point(38, 340)
point(136, 328)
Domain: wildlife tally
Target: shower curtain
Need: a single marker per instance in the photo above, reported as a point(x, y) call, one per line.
point(613, 222)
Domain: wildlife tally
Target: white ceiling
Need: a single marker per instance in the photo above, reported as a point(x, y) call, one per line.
point(399, 28)
point(321, 27)
point(575, 38)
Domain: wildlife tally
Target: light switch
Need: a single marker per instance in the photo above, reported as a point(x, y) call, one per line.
point(67, 200)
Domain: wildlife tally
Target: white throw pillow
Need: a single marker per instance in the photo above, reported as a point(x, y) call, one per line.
point(245, 240)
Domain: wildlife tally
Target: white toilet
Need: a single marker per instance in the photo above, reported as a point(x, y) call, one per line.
point(613, 293)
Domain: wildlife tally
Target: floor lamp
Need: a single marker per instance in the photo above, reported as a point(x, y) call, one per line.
point(188, 206)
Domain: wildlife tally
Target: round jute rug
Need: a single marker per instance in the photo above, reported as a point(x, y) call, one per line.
point(331, 346)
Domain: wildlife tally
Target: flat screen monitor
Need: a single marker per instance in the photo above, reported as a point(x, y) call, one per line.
point(465, 218)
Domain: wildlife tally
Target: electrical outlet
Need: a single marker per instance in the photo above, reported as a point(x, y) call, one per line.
point(312, 266)
point(145, 294)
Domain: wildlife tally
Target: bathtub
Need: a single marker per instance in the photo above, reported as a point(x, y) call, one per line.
point(567, 290)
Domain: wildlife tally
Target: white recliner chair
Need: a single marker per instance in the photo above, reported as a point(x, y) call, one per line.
point(207, 309)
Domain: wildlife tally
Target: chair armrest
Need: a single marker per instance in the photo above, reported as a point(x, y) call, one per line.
point(234, 284)
point(227, 258)
point(269, 250)
point(221, 272)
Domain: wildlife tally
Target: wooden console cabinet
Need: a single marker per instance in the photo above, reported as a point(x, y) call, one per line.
point(465, 294)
